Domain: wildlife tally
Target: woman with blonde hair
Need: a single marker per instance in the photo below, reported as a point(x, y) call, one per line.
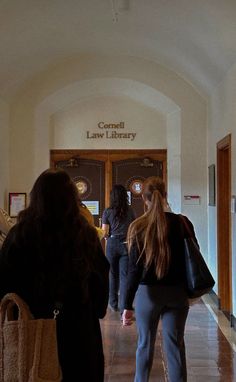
point(157, 273)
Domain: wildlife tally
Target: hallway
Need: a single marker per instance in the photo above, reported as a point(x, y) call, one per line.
point(210, 347)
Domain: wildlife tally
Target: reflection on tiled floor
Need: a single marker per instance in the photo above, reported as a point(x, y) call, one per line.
point(210, 357)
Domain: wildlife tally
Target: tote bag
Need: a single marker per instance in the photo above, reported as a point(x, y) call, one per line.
point(28, 346)
point(199, 278)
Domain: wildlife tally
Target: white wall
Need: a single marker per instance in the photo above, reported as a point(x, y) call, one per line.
point(21, 154)
point(154, 130)
point(222, 121)
point(174, 161)
point(140, 80)
point(70, 127)
point(4, 153)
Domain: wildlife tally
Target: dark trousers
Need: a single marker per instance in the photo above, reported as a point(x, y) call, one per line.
point(170, 304)
point(117, 255)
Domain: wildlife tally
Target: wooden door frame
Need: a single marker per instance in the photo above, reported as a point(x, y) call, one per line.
point(224, 224)
point(109, 156)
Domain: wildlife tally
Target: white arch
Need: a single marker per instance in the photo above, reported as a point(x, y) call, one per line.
point(137, 91)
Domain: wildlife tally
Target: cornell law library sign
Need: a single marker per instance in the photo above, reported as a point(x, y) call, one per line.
point(111, 132)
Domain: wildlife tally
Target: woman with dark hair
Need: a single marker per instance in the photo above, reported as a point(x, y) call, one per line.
point(115, 222)
point(53, 255)
point(157, 273)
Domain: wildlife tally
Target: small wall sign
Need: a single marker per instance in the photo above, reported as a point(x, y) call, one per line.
point(192, 199)
point(93, 206)
point(17, 203)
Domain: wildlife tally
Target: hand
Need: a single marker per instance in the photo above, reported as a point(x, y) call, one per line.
point(127, 317)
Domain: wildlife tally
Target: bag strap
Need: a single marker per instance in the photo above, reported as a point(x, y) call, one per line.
point(12, 300)
point(185, 228)
point(8, 303)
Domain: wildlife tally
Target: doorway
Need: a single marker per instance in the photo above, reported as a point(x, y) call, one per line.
point(95, 172)
point(224, 224)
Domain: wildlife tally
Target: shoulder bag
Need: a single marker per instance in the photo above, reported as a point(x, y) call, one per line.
point(28, 346)
point(198, 275)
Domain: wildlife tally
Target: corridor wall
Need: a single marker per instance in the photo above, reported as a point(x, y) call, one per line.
point(4, 153)
point(222, 117)
point(34, 106)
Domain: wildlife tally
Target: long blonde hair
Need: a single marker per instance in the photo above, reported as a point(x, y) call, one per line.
point(149, 231)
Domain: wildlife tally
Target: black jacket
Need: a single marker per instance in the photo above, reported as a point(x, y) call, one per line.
point(41, 285)
point(176, 275)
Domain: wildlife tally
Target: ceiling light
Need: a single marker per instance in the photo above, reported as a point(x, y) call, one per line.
point(117, 7)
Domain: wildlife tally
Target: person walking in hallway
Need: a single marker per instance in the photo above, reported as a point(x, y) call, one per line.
point(156, 275)
point(53, 254)
point(115, 222)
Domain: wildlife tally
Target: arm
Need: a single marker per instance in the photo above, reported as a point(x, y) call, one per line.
point(100, 282)
point(5, 225)
point(105, 224)
point(100, 232)
point(5, 222)
point(135, 271)
point(106, 228)
point(10, 265)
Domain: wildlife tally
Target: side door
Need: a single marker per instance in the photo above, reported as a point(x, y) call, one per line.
point(89, 177)
point(131, 173)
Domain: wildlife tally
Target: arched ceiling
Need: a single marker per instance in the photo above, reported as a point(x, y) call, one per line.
point(88, 89)
point(196, 39)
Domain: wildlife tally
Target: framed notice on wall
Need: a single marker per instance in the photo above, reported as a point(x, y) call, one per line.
point(17, 203)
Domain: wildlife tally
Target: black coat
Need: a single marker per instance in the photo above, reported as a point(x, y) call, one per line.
point(79, 334)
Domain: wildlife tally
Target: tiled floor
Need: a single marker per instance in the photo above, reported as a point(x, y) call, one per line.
point(210, 355)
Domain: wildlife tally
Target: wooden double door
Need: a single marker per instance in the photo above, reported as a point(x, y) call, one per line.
point(96, 171)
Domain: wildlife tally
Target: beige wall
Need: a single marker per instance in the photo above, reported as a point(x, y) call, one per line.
point(70, 127)
point(4, 153)
point(222, 121)
point(35, 111)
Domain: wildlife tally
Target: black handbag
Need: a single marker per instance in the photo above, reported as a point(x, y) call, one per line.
point(199, 278)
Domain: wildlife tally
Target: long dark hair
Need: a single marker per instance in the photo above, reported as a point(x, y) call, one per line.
point(62, 240)
point(150, 230)
point(54, 196)
point(119, 201)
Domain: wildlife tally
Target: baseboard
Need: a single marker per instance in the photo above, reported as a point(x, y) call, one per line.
point(228, 315)
point(233, 321)
point(215, 298)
